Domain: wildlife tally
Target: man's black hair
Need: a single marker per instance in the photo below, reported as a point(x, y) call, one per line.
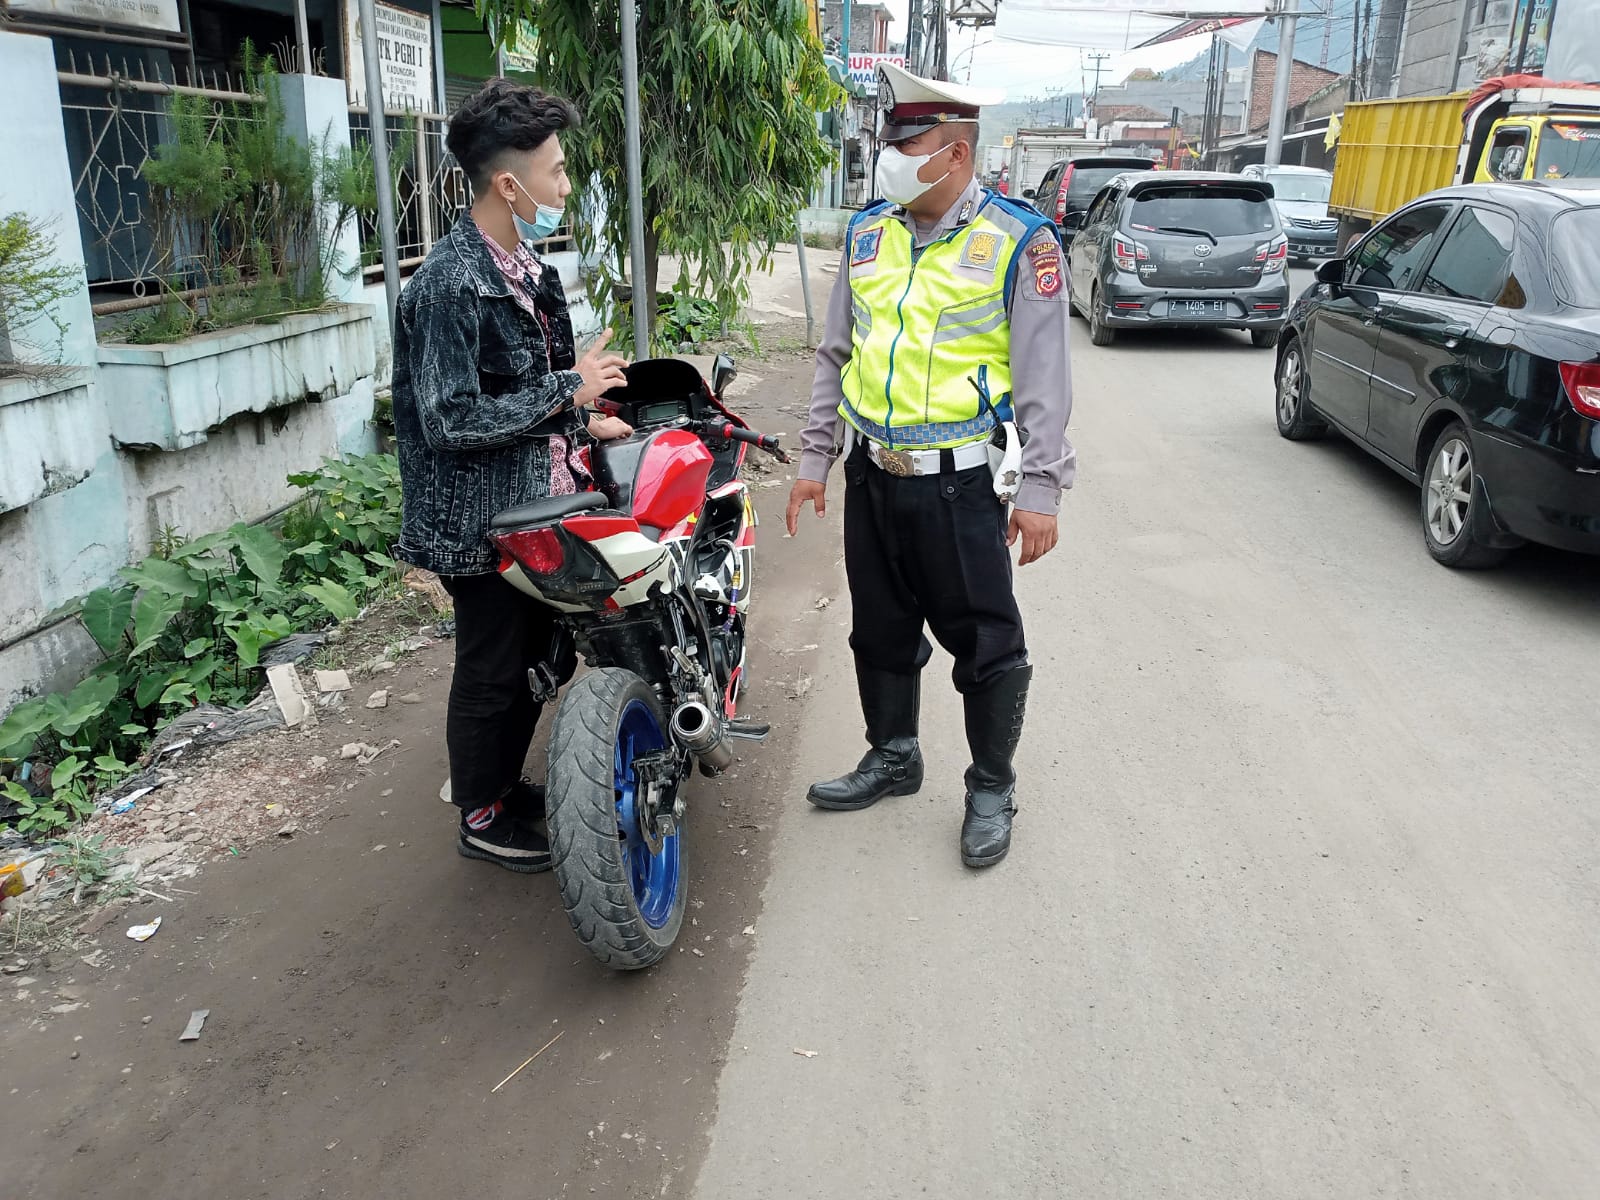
point(504, 116)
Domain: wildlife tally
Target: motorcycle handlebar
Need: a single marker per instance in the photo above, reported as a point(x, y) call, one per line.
point(749, 437)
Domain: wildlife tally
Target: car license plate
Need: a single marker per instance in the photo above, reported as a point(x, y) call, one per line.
point(1198, 308)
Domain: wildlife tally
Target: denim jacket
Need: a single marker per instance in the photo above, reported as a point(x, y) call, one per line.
point(475, 402)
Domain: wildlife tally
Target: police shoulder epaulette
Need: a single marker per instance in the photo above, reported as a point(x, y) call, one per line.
point(871, 209)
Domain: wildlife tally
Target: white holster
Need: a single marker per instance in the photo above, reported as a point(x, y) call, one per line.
point(1005, 463)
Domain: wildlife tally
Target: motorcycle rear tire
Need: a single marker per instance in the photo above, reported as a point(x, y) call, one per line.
point(599, 886)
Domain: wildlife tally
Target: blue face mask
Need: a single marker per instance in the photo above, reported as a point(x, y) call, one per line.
point(546, 221)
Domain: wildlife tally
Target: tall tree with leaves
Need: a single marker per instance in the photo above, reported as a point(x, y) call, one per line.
point(729, 96)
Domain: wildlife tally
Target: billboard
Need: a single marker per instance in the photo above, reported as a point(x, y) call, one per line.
point(864, 69)
point(405, 57)
point(137, 14)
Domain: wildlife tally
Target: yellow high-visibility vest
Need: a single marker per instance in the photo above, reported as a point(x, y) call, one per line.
point(930, 358)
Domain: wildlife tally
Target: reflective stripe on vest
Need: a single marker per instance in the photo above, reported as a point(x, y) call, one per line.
point(930, 358)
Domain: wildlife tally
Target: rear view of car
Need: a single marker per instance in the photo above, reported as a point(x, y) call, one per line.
point(1070, 186)
point(1183, 249)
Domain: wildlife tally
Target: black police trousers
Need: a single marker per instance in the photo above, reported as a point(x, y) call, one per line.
point(930, 550)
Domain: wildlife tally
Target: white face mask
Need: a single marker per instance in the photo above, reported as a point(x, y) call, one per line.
point(897, 174)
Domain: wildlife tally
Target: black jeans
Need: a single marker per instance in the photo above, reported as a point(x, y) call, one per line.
point(500, 634)
point(930, 549)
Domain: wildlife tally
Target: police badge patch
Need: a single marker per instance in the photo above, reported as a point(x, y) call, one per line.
point(980, 250)
point(865, 247)
point(1046, 269)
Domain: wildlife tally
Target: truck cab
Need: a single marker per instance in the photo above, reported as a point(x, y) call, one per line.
point(1540, 146)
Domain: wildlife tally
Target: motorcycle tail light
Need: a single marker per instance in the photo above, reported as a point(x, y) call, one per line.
point(1272, 255)
point(1582, 381)
point(537, 549)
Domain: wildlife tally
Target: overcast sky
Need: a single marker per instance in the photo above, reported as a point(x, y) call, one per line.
point(1023, 71)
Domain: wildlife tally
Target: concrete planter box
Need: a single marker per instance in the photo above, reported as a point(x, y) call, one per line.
point(47, 436)
point(170, 397)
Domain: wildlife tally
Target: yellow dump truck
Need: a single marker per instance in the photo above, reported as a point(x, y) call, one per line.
point(1392, 151)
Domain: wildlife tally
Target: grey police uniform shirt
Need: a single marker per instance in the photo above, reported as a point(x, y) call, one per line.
point(1041, 377)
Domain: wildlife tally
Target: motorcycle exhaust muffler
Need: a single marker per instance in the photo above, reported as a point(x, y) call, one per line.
point(697, 729)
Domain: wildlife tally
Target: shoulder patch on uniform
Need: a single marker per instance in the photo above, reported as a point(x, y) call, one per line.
point(864, 248)
point(981, 250)
point(1046, 269)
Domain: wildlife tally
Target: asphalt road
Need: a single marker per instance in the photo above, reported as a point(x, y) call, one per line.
point(1302, 901)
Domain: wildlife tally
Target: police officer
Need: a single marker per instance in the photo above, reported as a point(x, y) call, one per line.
point(945, 351)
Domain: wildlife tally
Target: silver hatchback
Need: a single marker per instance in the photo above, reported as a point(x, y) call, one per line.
point(1181, 249)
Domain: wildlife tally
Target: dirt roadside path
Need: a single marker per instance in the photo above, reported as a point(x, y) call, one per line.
point(368, 987)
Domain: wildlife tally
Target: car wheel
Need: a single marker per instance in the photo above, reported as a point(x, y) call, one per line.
point(1263, 339)
point(1453, 503)
point(1100, 333)
point(1295, 419)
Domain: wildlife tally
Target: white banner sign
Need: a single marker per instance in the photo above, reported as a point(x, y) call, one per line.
point(864, 69)
point(139, 14)
point(1185, 9)
point(405, 57)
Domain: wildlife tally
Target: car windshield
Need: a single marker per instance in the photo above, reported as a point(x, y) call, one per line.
point(1568, 151)
point(1575, 257)
point(1219, 211)
point(1291, 185)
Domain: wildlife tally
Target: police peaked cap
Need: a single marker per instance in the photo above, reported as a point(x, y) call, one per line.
point(911, 104)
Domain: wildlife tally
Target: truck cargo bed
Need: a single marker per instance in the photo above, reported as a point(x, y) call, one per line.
point(1392, 151)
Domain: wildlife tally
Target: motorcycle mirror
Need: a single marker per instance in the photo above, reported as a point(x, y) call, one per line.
point(723, 372)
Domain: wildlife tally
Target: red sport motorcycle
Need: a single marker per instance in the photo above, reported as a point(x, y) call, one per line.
point(650, 574)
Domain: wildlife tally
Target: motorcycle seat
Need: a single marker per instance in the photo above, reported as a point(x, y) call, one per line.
point(551, 508)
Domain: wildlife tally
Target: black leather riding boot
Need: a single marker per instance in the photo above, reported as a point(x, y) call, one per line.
point(893, 767)
point(994, 727)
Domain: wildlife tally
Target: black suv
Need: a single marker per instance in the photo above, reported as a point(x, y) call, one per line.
point(1069, 186)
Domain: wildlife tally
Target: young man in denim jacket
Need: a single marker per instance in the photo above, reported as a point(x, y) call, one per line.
point(492, 410)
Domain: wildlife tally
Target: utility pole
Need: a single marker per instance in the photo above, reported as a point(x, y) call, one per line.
point(844, 148)
point(378, 117)
point(914, 37)
point(1099, 60)
point(643, 302)
point(1288, 17)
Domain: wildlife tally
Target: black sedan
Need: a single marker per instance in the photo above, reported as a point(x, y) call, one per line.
point(1459, 342)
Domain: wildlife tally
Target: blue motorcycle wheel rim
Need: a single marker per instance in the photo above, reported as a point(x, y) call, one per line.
point(652, 877)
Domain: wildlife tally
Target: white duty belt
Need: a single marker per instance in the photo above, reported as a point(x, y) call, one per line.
point(905, 464)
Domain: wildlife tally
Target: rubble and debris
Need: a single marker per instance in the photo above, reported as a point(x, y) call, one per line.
point(805, 1053)
point(378, 699)
point(292, 648)
point(333, 681)
point(290, 694)
point(197, 1022)
point(427, 584)
point(143, 933)
point(411, 698)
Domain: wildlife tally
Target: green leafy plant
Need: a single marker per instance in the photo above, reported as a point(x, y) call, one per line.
point(729, 97)
point(187, 624)
point(242, 204)
point(32, 282)
point(86, 860)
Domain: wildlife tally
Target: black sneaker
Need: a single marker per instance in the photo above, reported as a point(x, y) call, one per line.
point(525, 800)
point(513, 843)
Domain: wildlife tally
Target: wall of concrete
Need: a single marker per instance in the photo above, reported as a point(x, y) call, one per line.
point(1430, 47)
point(97, 460)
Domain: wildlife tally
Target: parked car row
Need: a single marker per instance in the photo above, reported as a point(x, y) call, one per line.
point(1458, 342)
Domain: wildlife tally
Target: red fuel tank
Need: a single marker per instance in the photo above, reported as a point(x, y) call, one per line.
point(671, 482)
